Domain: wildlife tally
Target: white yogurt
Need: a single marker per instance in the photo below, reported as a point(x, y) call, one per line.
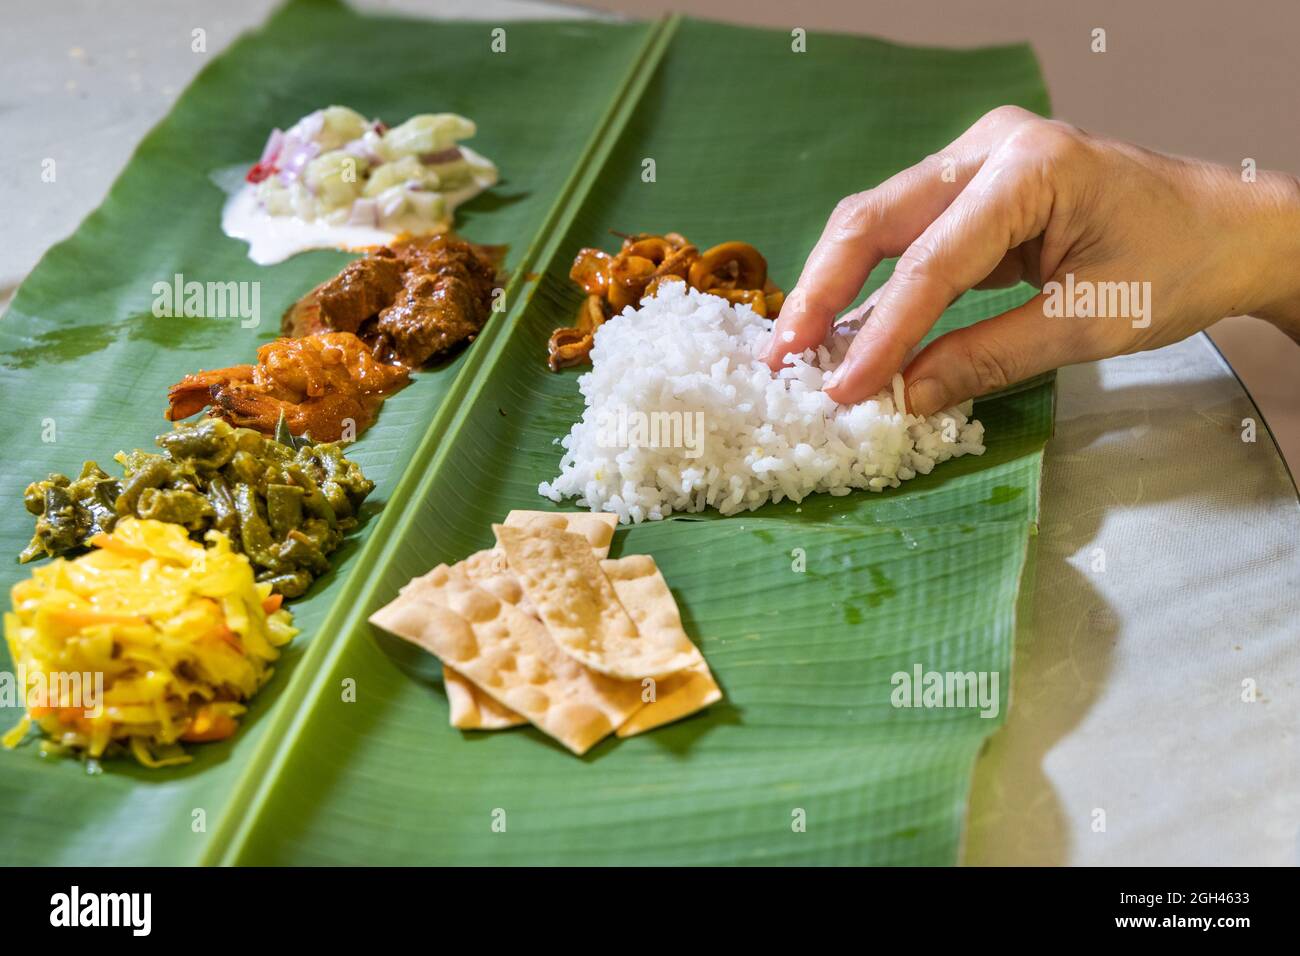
point(273, 239)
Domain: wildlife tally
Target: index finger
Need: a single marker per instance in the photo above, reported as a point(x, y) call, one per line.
point(882, 222)
point(863, 229)
point(1001, 208)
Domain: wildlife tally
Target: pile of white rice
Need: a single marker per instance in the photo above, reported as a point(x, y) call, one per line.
point(682, 415)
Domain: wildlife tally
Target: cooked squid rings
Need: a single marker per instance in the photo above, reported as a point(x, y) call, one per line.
point(572, 346)
point(736, 271)
point(732, 265)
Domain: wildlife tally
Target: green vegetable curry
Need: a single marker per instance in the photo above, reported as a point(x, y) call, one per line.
point(285, 504)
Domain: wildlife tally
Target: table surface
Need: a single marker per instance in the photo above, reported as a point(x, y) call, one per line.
point(1167, 568)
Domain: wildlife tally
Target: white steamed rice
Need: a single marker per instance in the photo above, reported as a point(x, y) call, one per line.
point(686, 359)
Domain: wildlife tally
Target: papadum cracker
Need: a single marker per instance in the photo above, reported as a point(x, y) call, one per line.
point(584, 616)
point(545, 629)
point(676, 696)
point(489, 570)
point(510, 657)
point(471, 709)
point(597, 527)
point(645, 595)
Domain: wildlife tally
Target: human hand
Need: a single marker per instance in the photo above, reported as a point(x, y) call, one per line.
point(1017, 197)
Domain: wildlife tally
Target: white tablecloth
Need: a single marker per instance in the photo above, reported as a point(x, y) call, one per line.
point(1128, 707)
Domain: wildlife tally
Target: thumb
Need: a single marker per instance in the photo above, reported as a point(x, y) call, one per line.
point(989, 356)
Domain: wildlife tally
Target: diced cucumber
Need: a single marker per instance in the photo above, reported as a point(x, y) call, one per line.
point(335, 178)
point(430, 207)
point(451, 175)
point(340, 125)
point(396, 203)
point(394, 174)
point(426, 133)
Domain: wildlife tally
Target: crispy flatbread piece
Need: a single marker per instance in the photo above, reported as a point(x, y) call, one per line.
point(578, 605)
point(597, 527)
point(488, 569)
point(510, 657)
point(471, 709)
point(645, 594)
point(676, 696)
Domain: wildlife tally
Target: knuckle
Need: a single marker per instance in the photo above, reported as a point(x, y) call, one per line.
point(1077, 133)
point(921, 263)
point(1060, 140)
point(811, 302)
point(935, 162)
point(1041, 140)
point(1006, 115)
point(854, 214)
point(990, 369)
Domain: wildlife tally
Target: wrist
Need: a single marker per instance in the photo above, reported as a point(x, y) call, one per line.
point(1275, 224)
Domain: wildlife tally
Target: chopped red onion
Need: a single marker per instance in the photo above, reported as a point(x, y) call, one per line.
point(272, 148)
point(310, 126)
point(359, 149)
point(295, 156)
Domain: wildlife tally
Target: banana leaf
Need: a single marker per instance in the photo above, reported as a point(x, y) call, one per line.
point(805, 612)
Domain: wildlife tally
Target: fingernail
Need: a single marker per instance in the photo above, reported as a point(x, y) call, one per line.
point(834, 378)
point(926, 396)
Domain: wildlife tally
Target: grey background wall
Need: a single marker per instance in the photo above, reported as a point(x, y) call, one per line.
point(1214, 79)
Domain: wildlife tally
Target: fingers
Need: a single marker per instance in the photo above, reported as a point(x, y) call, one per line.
point(880, 223)
point(989, 356)
point(1000, 208)
point(864, 310)
point(864, 229)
